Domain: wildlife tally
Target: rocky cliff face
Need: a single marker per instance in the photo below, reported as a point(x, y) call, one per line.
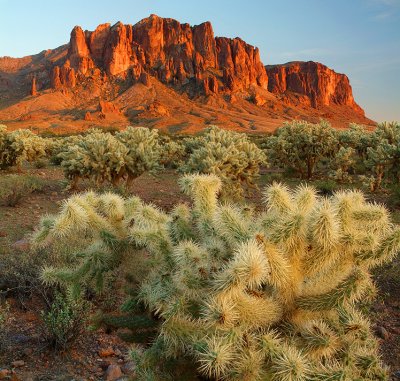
point(143, 73)
point(172, 52)
point(316, 84)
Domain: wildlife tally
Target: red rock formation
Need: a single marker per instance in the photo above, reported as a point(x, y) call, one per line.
point(97, 42)
point(33, 87)
point(55, 78)
point(144, 78)
point(173, 52)
point(320, 85)
point(210, 85)
point(78, 52)
point(63, 76)
point(88, 116)
point(241, 64)
point(108, 108)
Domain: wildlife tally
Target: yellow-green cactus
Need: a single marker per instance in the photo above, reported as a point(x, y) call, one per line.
point(20, 146)
point(301, 145)
point(229, 155)
point(242, 295)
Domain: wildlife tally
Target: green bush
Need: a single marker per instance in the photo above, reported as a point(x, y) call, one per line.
point(15, 187)
point(326, 187)
point(394, 198)
point(64, 320)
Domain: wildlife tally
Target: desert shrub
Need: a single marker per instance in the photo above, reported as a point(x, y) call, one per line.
point(229, 155)
point(65, 320)
point(4, 316)
point(325, 187)
point(20, 146)
point(394, 196)
point(246, 296)
point(14, 187)
point(40, 163)
point(302, 145)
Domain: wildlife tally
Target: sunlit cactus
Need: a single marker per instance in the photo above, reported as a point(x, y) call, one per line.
point(344, 160)
point(144, 150)
point(88, 237)
point(301, 146)
point(383, 154)
point(229, 155)
point(20, 146)
point(268, 296)
point(103, 157)
point(356, 137)
point(97, 156)
point(242, 295)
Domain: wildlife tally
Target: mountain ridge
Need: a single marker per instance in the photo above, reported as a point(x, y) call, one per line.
point(215, 78)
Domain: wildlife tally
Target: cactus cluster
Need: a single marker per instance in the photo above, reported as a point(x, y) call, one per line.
point(20, 146)
point(301, 146)
point(104, 157)
point(383, 154)
point(229, 155)
point(243, 295)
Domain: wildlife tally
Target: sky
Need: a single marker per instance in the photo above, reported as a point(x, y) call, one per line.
point(360, 38)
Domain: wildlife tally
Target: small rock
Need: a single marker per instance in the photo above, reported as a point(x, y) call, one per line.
point(18, 363)
point(396, 374)
point(19, 338)
point(128, 367)
point(21, 245)
point(106, 352)
point(382, 332)
point(113, 372)
point(27, 351)
point(4, 373)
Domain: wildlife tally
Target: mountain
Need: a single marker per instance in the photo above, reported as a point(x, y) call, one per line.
point(164, 74)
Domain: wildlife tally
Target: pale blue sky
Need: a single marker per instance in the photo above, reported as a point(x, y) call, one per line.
point(360, 38)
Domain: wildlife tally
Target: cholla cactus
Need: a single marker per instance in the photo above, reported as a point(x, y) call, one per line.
point(229, 155)
point(268, 296)
point(89, 237)
point(3, 143)
point(344, 159)
point(19, 146)
point(97, 156)
point(356, 137)
point(301, 145)
point(103, 157)
point(57, 145)
point(247, 296)
point(173, 152)
point(383, 154)
point(144, 150)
